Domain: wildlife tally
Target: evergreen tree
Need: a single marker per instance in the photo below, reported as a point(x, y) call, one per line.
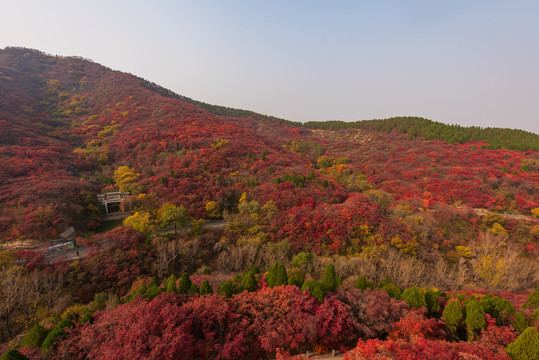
point(315, 289)
point(393, 290)
point(475, 320)
point(296, 277)
point(431, 298)
point(170, 284)
point(329, 278)
point(414, 297)
point(205, 288)
point(184, 284)
point(453, 315)
point(362, 283)
point(520, 322)
point(277, 275)
point(526, 346)
point(249, 282)
point(229, 288)
point(13, 354)
point(35, 337)
point(193, 289)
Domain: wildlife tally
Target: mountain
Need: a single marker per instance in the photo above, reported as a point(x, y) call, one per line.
point(68, 124)
point(251, 236)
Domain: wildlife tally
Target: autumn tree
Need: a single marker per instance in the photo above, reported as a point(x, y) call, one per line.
point(173, 215)
point(125, 178)
point(141, 222)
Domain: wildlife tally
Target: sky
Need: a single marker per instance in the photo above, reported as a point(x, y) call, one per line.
point(467, 62)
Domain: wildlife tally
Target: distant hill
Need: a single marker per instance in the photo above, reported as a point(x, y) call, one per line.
point(414, 127)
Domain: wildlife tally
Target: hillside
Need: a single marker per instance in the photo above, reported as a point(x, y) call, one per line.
point(333, 208)
point(69, 123)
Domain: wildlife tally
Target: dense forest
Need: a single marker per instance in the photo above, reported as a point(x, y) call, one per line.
point(248, 236)
point(493, 138)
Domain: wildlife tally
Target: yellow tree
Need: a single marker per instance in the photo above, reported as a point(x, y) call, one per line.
point(170, 214)
point(140, 222)
point(125, 178)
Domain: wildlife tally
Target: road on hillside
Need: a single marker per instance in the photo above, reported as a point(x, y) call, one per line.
point(83, 251)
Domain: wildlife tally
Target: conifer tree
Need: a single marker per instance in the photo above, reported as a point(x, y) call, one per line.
point(170, 284)
point(329, 278)
point(205, 288)
point(249, 282)
point(520, 322)
point(526, 346)
point(452, 315)
point(315, 289)
point(414, 297)
point(362, 283)
point(184, 284)
point(277, 275)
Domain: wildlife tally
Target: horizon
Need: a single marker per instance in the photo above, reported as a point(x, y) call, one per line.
point(458, 64)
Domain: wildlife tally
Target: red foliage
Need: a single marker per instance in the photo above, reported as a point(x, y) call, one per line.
point(415, 325)
point(423, 350)
point(373, 312)
point(496, 336)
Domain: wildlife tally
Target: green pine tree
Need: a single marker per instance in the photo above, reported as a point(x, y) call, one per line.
point(277, 275)
point(249, 282)
point(520, 322)
point(362, 283)
point(475, 320)
point(414, 297)
point(13, 354)
point(170, 284)
point(315, 289)
point(526, 346)
point(35, 337)
point(329, 278)
point(184, 284)
point(205, 288)
point(453, 315)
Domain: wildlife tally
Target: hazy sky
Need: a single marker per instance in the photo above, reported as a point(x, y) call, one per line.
point(471, 62)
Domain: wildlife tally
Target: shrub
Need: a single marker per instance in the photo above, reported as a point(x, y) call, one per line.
point(526, 346)
point(415, 325)
point(373, 312)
